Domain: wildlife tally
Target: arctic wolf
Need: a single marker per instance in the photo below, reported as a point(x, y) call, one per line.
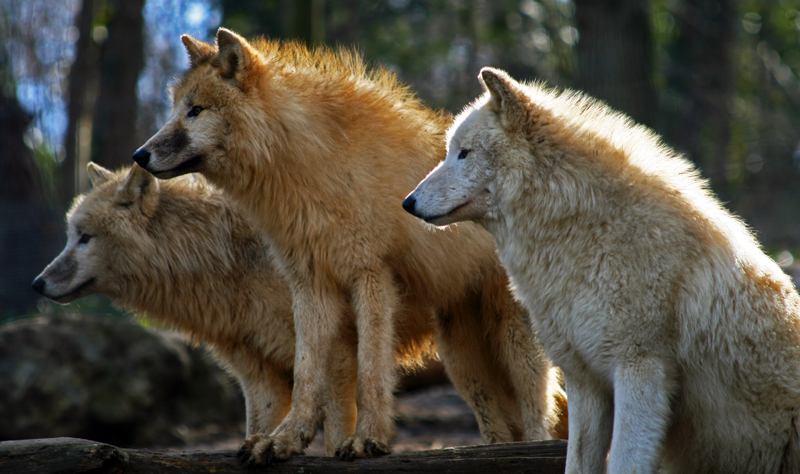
point(679, 339)
point(320, 151)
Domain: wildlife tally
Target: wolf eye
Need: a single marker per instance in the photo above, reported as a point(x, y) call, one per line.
point(463, 154)
point(85, 238)
point(194, 111)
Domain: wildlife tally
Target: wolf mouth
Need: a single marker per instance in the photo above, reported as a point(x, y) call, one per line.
point(433, 219)
point(75, 294)
point(188, 166)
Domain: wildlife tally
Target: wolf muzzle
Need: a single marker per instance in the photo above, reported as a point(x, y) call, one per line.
point(142, 157)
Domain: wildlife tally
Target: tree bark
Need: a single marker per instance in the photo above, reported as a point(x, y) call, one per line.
point(79, 75)
point(20, 174)
point(114, 137)
point(308, 21)
point(28, 229)
point(615, 56)
point(701, 73)
point(77, 455)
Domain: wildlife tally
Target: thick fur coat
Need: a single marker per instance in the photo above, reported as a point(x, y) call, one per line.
point(678, 337)
point(184, 256)
point(320, 151)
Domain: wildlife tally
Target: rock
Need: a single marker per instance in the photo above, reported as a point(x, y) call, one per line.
point(109, 380)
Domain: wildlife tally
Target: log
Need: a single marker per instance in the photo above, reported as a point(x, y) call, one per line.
point(72, 455)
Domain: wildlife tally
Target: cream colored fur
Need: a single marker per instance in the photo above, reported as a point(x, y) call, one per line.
point(320, 150)
point(184, 256)
point(679, 339)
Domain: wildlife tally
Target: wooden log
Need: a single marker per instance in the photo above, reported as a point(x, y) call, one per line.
point(61, 455)
point(70, 455)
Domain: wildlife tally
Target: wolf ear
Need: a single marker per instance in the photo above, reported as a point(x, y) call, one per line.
point(505, 97)
point(97, 174)
point(139, 188)
point(197, 50)
point(233, 58)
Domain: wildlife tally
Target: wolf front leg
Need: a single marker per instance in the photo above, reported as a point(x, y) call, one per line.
point(591, 418)
point(642, 389)
point(266, 384)
point(267, 399)
point(318, 313)
point(375, 299)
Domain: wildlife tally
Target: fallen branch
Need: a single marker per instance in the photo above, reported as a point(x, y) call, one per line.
point(71, 455)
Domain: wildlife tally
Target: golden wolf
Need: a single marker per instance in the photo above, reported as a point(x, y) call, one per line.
point(320, 151)
point(679, 339)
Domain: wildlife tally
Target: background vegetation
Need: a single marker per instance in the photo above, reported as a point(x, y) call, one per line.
point(87, 80)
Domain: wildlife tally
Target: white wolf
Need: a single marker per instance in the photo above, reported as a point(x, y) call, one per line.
point(678, 338)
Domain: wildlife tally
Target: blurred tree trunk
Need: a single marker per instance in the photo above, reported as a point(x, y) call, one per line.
point(114, 137)
point(307, 21)
point(28, 228)
point(79, 80)
point(20, 174)
point(702, 73)
point(615, 56)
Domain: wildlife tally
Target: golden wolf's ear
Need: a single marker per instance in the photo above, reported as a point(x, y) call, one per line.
point(233, 58)
point(139, 189)
point(97, 174)
point(197, 50)
point(505, 99)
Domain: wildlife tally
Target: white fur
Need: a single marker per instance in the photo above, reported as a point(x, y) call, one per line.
point(678, 337)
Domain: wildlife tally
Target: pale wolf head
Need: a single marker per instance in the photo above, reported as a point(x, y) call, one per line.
point(211, 101)
point(100, 225)
point(462, 186)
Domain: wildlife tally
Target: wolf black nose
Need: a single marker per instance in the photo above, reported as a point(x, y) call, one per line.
point(409, 204)
point(142, 157)
point(38, 285)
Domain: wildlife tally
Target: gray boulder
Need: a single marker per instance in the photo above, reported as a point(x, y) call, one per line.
point(109, 380)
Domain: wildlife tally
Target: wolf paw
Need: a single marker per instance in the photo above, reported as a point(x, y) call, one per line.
point(357, 447)
point(264, 450)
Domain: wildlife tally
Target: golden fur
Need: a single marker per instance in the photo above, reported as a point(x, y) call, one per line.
point(678, 338)
point(183, 255)
point(320, 150)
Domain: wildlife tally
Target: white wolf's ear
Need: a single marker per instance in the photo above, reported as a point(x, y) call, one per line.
point(233, 58)
point(197, 50)
point(139, 188)
point(505, 96)
point(97, 174)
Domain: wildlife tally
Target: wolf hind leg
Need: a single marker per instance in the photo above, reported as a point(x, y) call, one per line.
point(375, 300)
point(536, 384)
point(468, 361)
point(340, 406)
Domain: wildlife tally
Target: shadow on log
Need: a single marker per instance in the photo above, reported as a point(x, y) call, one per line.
point(72, 455)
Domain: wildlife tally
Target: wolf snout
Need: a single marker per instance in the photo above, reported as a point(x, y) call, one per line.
point(142, 157)
point(38, 285)
point(410, 204)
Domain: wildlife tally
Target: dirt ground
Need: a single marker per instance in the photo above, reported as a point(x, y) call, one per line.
point(429, 417)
